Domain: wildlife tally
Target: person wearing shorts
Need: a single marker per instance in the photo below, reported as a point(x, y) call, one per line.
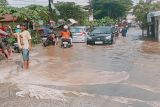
point(25, 54)
point(24, 42)
point(25, 45)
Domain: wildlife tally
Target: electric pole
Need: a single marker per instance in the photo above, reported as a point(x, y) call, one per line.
point(90, 10)
point(49, 5)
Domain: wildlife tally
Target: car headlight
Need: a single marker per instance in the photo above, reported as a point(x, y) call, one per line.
point(108, 37)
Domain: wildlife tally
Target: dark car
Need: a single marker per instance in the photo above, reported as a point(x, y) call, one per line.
point(101, 35)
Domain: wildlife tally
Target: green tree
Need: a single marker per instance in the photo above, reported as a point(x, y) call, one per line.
point(71, 10)
point(33, 12)
point(112, 8)
point(104, 21)
point(40, 12)
point(3, 3)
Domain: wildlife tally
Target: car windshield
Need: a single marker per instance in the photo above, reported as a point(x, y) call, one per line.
point(76, 30)
point(101, 30)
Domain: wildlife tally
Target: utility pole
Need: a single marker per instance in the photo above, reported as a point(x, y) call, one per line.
point(52, 7)
point(90, 10)
point(50, 10)
point(49, 5)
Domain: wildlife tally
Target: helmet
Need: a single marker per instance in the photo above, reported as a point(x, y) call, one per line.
point(65, 27)
point(18, 26)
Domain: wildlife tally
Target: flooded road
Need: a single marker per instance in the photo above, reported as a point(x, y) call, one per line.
point(126, 74)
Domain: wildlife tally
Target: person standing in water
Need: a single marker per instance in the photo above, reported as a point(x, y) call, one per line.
point(124, 31)
point(24, 42)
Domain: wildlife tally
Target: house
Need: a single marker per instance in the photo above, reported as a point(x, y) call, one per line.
point(7, 19)
point(154, 20)
point(152, 1)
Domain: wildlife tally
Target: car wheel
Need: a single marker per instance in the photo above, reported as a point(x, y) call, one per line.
point(44, 44)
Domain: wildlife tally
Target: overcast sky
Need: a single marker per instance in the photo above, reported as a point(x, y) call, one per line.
point(21, 3)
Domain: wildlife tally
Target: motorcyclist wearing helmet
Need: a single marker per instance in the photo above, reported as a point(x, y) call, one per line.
point(66, 34)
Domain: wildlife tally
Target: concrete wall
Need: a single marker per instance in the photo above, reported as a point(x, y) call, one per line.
point(157, 28)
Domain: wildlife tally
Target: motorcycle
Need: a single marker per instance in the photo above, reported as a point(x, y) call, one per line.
point(16, 48)
point(66, 43)
point(1, 53)
point(7, 46)
point(50, 40)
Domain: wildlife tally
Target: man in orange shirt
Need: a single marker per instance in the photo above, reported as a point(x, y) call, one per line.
point(66, 34)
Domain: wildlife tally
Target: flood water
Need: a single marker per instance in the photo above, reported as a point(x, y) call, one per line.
point(127, 73)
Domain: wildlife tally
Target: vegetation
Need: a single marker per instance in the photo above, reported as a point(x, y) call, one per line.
point(104, 21)
point(114, 9)
point(71, 10)
point(36, 39)
point(33, 12)
point(3, 3)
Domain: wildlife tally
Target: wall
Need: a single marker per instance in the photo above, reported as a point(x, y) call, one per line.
point(157, 28)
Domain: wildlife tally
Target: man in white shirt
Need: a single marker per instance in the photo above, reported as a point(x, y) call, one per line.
point(24, 42)
point(25, 45)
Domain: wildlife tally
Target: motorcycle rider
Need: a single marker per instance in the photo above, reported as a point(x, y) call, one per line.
point(3, 45)
point(66, 34)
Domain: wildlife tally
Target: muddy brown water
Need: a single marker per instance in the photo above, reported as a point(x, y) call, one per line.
point(129, 71)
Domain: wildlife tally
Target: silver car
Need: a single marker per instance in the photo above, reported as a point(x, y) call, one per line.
point(79, 34)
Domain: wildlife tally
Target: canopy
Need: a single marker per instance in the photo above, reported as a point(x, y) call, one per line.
point(152, 14)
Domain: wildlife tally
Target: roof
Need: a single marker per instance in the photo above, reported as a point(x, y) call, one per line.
point(7, 18)
point(152, 14)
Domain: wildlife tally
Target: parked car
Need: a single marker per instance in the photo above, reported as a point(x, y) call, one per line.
point(79, 33)
point(101, 35)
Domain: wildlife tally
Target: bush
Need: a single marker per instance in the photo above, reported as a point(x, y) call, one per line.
point(11, 40)
point(36, 39)
point(104, 21)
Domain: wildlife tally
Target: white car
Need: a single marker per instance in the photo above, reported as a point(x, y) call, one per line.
point(79, 34)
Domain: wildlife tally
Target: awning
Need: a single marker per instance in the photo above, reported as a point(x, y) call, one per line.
point(152, 14)
point(73, 21)
point(7, 18)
